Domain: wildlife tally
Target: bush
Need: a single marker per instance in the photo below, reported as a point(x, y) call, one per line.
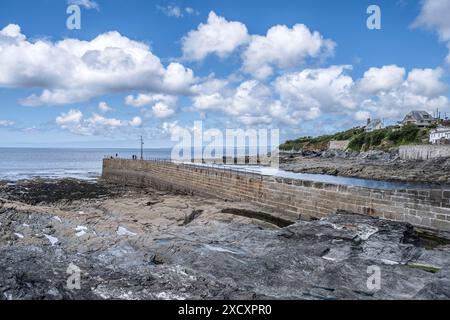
point(357, 142)
point(376, 137)
point(368, 140)
point(406, 135)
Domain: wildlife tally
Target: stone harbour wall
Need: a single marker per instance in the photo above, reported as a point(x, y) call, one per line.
point(424, 152)
point(290, 199)
point(338, 145)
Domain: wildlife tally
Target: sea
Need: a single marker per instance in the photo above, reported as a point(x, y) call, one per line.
point(27, 163)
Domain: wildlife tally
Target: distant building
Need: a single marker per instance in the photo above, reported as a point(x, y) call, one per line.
point(373, 124)
point(440, 135)
point(445, 123)
point(422, 119)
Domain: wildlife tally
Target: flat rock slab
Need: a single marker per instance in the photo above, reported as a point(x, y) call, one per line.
point(189, 247)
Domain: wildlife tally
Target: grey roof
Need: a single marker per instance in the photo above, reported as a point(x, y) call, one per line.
point(420, 115)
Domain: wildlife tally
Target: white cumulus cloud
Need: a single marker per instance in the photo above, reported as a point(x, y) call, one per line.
point(136, 122)
point(362, 115)
point(144, 99)
point(434, 15)
point(218, 36)
point(284, 48)
point(382, 79)
point(387, 92)
point(177, 11)
point(250, 103)
point(75, 122)
point(396, 92)
point(427, 81)
point(104, 107)
point(310, 92)
point(71, 117)
point(73, 70)
point(162, 106)
point(6, 123)
point(281, 48)
point(162, 110)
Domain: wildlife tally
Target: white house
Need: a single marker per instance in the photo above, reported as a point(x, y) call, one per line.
point(373, 124)
point(440, 135)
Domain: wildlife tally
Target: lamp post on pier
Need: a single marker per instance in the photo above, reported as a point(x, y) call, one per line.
point(142, 148)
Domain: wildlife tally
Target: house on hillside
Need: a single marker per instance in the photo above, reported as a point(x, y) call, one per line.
point(440, 135)
point(445, 123)
point(422, 119)
point(373, 124)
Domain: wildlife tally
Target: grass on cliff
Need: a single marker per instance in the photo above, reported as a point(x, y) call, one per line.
point(363, 141)
point(321, 142)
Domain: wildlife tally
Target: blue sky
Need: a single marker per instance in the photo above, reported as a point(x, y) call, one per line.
point(305, 67)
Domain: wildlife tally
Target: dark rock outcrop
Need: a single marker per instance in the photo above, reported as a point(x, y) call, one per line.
point(184, 247)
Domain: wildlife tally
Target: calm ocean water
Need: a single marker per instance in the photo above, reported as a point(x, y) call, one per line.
point(25, 163)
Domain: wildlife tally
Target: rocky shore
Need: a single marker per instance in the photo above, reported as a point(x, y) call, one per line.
point(376, 165)
point(131, 243)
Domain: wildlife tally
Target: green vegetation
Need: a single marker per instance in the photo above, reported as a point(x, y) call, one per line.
point(388, 138)
point(321, 142)
point(363, 141)
point(424, 267)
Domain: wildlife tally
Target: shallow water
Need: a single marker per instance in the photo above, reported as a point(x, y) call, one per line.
point(25, 163)
point(338, 180)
